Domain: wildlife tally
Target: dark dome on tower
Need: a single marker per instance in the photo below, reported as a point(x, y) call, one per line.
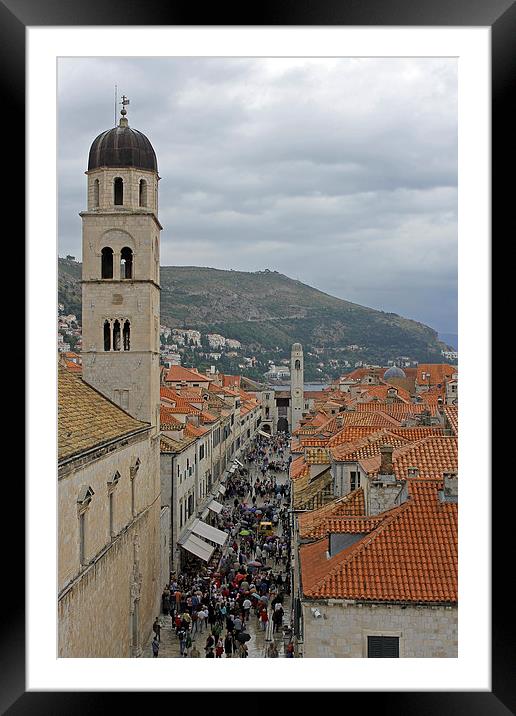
point(122, 146)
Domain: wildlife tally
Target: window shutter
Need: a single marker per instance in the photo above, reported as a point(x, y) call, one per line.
point(383, 647)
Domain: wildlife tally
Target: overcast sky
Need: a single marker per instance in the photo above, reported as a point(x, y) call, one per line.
point(341, 173)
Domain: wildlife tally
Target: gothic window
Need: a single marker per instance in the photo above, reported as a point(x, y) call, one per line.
point(107, 336)
point(118, 191)
point(126, 263)
point(82, 537)
point(111, 515)
point(127, 335)
point(116, 335)
point(96, 193)
point(107, 262)
point(143, 192)
point(83, 502)
point(297, 365)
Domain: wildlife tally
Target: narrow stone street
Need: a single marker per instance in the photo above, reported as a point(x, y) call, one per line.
point(260, 639)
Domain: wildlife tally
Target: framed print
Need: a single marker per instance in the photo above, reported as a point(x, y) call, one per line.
point(36, 36)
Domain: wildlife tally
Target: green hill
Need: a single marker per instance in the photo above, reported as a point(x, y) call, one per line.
point(268, 311)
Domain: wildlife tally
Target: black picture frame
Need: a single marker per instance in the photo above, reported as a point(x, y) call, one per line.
point(500, 15)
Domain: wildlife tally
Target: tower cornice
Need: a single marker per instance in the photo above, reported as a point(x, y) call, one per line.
point(122, 213)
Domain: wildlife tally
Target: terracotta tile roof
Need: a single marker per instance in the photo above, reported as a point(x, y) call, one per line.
point(317, 456)
point(73, 367)
point(412, 556)
point(367, 446)
point(351, 433)
point(351, 505)
point(432, 455)
point(298, 468)
point(296, 446)
point(396, 410)
point(216, 388)
point(377, 419)
point(207, 417)
point(231, 381)
point(381, 392)
point(86, 419)
point(452, 416)
point(439, 373)
point(167, 419)
point(342, 525)
point(312, 442)
point(177, 374)
point(195, 431)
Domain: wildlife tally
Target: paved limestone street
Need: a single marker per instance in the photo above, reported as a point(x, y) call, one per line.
point(260, 640)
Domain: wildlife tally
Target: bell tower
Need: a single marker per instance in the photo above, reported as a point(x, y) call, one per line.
point(296, 384)
point(120, 272)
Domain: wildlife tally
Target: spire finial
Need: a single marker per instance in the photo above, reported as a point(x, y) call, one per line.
point(123, 111)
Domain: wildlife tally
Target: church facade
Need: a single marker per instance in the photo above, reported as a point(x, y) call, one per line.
point(108, 459)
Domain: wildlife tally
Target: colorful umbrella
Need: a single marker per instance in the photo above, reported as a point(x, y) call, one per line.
point(254, 563)
point(244, 533)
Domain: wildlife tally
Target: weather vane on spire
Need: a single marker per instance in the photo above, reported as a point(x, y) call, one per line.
point(124, 101)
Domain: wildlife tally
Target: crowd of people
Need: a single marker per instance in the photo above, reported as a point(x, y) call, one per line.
point(211, 612)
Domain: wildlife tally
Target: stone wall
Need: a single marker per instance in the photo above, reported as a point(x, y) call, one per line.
point(341, 631)
point(97, 598)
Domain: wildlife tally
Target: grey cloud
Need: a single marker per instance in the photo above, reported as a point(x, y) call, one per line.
point(340, 173)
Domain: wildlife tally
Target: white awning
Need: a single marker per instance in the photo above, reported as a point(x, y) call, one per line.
point(238, 463)
point(198, 546)
point(209, 532)
point(215, 506)
point(261, 432)
point(232, 469)
point(222, 489)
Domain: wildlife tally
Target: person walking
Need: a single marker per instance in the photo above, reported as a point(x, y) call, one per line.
point(219, 649)
point(156, 628)
point(264, 619)
point(228, 645)
point(155, 647)
point(188, 644)
point(272, 651)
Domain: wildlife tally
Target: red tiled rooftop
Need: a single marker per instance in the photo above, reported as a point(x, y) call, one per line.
point(412, 556)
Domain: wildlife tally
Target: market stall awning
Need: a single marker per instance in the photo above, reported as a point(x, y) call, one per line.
point(208, 532)
point(198, 546)
point(222, 489)
point(261, 432)
point(238, 463)
point(215, 506)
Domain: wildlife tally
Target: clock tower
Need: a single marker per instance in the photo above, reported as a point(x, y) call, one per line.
point(296, 385)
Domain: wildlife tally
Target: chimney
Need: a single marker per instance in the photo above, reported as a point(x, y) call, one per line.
point(386, 467)
point(451, 485)
point(339, 421)
point(412, 471)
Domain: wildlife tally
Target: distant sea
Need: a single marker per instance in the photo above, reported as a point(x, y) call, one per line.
point(451, 339)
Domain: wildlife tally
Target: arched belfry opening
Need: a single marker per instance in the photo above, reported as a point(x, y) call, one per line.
point(126, 335)
point(107, 262)
point(297, 364)
point(96, 193)
point(143, 193)
point(116, 335)
point(126, 263)
point(118, 191)
point(107, 336)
